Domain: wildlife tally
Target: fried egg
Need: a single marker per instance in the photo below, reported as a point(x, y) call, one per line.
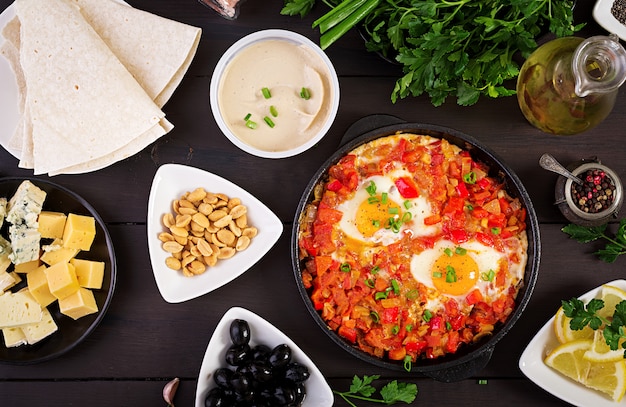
point(453, 271)
point(377, 214)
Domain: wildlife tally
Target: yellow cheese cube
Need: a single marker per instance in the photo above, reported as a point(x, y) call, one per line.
point(79, 304)
point(39, 330)
point(51, 224)
point(27, 266)
point(62, 280)
point(56, 253)
point(79, 231)
point(89, 273)
point(38, 286)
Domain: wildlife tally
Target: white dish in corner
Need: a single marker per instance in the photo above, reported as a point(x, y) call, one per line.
point(318, 392)
point(532, 365)
point(169, 183)
point(602, 14)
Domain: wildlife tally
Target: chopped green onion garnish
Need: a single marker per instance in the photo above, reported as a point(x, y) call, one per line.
point(470, 177)
point(460, 251)
point(250, 124)
point(495, 231)
point(437, 274)
point(448, 252)
point(372, 200)
point(266, 93)
point(371, 188)
point(376, 223)
point(395, 330)
point(406, 217)
point(469, 207)
point(381, 295)
point(412, 294)
point(345, 267)
point(248, 116)
point(369, 282)
point(269, 121)
point(482, 381)
point(384, 197)
point(375, 270)
point(273, 111)
point(393, 211)
point(408, 363)
point(305, 94)
point(396, 287)
point(374, 316)
point(488, 276)
point(409, 327)
point(448, 326)
point(407, 204)
point(427, 315)
point(450, 274)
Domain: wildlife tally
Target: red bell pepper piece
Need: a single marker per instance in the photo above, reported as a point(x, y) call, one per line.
point(415, 347)
point(348, 333)
point(390, 315)
point(334, 186)
point(459, 236)
point(461, 190)
point(436, 323)
point(407, 187)
point(474, 297)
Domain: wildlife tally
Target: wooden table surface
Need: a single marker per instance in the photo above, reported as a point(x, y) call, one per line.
point(143, 341)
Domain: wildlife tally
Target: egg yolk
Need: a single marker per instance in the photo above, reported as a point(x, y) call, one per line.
point(454, 274)
point(374, 214)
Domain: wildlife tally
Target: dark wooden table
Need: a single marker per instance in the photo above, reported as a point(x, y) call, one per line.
point(143, 341)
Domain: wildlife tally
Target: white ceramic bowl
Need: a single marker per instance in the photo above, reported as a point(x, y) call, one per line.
point(255, 38)
point(603, 16)
point(532, 365)
point(318, 393)
point(170, 182)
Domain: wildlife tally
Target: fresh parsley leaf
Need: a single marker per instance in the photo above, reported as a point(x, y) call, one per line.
point(615, 246)
point(295, 7)
point(391, 393)
point(584, 234)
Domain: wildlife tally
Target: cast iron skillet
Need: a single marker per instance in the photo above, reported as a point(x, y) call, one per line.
point(469, 359)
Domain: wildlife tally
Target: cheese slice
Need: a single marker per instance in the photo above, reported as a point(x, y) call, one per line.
point(40, 330)
point(13, 337)
point(18, 309)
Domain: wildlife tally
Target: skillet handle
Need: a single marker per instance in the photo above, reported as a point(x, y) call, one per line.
point(367, 124)
point(464, 370)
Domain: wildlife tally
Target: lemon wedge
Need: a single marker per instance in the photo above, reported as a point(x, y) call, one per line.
point(609, 378)
point(611, 296)
point(564, 333)
point(568, 359)
point(601, 352)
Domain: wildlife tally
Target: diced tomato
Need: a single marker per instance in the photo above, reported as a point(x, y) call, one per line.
point(483, 183)
point(436, 323)
point(474, 296)
point(485, 239)
point(397, 353)
point(416, 346)
point(455, 204)
point(453, 342)
point(433, 340)
point(327, 215)
point(432, 219)
point(479, 213)
point(389, 315)
point(407, 187)
point(348, 333)
point(459, 236)
point(322, 263)
point(334, 186)
point(461, 190)
point(307, 244)
point(457, 322)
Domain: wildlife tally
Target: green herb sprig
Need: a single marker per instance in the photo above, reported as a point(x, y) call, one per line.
point(587, 315)
point(615, 245)
point(393, 392)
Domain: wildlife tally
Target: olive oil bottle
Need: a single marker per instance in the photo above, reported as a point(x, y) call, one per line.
point(569, 85)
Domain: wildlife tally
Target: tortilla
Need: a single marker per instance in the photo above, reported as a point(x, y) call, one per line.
point(88, 105)
point(155, 50)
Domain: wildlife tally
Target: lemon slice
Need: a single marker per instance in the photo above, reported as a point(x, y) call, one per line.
point(568, 359)
point(559, 320)
point(565, 333)
point(601, 352)
point(611, 296)
point(609, 378)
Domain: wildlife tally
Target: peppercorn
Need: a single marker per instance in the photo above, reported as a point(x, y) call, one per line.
point(618, 10)
point(597, 192)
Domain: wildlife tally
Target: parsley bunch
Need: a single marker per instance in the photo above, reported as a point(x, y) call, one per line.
point(582, 315)
point(393, 392)
point(463, 48)
point(615, 245)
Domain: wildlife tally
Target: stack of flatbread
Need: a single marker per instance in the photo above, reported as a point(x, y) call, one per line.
point(93, 76)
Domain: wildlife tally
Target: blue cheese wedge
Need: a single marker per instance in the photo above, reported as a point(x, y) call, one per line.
point(25, 205)
point(25, 243)
point(14, 337)
point(40, 330)
point(18, 309)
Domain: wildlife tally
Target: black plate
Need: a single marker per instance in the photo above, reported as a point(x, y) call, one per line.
point(469, 359)
point(71, 332)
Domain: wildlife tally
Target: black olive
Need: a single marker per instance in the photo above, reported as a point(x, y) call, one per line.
point(280, 356)
point(261, 352)
point(239, 332)
point(296, 372)
point(300, 394)
point(237, 355)
point(260, 371)
point(222, 377)
point(215, 398)
point(284, 394)
point(239, 383)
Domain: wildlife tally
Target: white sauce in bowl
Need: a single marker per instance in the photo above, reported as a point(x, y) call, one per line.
point(284, 68)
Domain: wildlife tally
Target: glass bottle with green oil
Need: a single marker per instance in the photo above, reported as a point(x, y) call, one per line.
point(569, 85)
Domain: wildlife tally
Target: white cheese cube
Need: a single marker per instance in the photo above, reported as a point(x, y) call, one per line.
point(5, 246)
point(13, 337)
point(7, 280)
point(24, 207)
point(3, 210)
point(25, 243)
point(39, 330)
point(19, 308)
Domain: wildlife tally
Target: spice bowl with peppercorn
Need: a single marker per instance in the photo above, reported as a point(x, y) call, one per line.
point(611, 15)
point(596, 200)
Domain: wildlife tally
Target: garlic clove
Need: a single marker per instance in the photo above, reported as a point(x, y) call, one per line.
point(169, 391)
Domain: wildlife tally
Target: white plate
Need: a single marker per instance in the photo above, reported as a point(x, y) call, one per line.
point(170, 182)
point(9, 113)
point(532, 365)
point(318, 393)
point(602, 14)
